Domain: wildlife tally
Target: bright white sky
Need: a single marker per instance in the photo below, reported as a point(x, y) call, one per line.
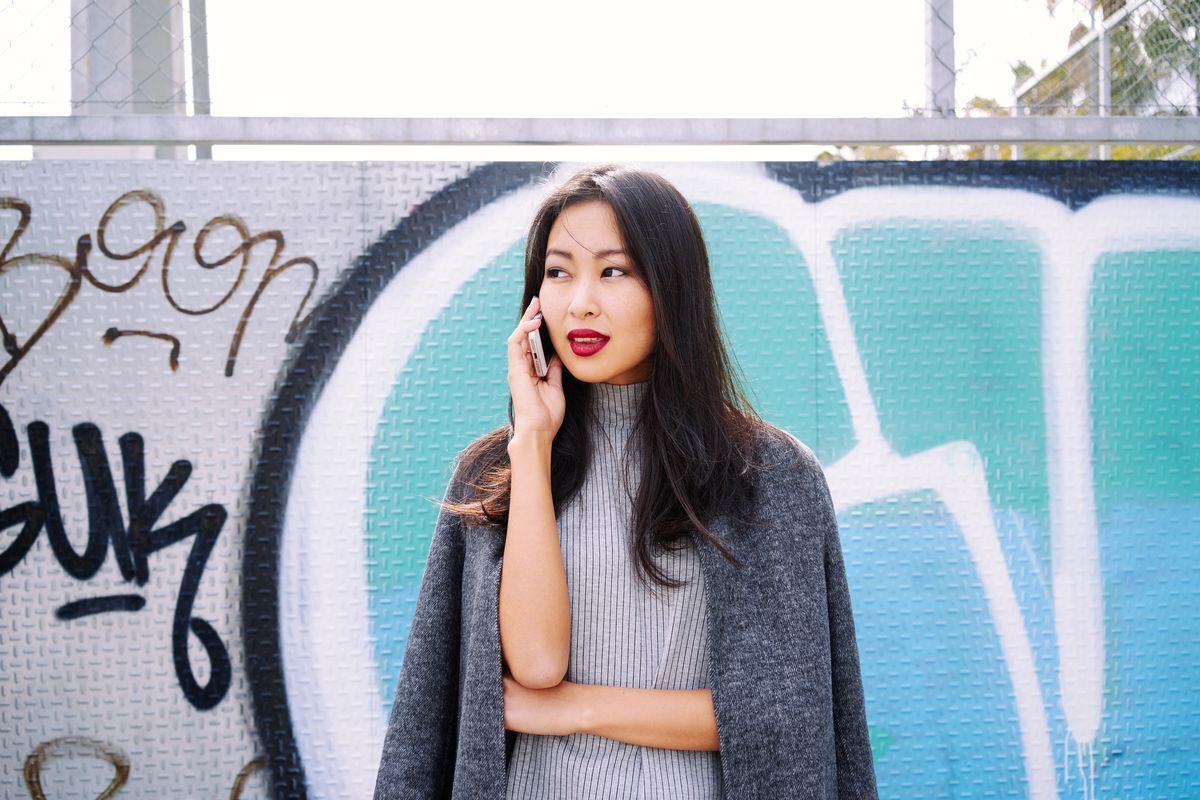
point(547, 58)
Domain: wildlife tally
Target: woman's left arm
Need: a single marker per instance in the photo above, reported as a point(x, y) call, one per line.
point(675, 719)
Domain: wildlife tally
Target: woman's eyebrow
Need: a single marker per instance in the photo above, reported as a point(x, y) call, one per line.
point(554, 251)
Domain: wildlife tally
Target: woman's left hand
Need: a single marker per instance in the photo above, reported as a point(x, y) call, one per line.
point(557, 711)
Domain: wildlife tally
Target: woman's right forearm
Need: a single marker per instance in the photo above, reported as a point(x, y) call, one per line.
point(535, 617)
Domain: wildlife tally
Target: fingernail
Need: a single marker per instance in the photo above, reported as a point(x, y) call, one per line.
point(537, 315)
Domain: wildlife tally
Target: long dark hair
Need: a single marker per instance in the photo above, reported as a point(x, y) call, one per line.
point(699, 433)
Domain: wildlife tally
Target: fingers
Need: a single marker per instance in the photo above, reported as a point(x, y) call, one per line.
point(554, 371)
point(520, 360)
point(530, 320)
point(532, 310)
point(518, 342)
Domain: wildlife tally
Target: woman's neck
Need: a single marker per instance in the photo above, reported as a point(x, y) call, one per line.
point(615, 406)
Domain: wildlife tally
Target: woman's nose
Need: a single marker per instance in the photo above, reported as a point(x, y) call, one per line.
point(583, 300)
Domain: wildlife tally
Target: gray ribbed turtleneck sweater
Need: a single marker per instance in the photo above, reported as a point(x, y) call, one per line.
point(621, 635)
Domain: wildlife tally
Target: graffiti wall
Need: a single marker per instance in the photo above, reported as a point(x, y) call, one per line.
point(231, 393)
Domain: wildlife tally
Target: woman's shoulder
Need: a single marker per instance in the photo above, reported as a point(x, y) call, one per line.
point(790, 470)
point(781, 449)
point(793, 482)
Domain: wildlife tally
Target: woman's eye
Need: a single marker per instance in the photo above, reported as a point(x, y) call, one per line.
point(551, 270)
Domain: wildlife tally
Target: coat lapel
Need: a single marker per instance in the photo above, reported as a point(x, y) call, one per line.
point(713, 567)
point(483, 741)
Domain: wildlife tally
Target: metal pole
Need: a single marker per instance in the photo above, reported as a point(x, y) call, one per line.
point(198, 31)
point(1093, 76)
point(939, 61)
point(939, 57)
point(1105, 86)
point(1018, 151)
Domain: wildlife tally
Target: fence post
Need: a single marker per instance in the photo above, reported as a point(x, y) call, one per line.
point(1105, 85)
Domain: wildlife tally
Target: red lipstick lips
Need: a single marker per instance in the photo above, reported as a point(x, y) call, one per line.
point(586, 348)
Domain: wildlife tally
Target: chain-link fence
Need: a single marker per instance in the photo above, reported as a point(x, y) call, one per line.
point(1099, 58)
point(148, 56)
point(104, 57)
point(1141, 58)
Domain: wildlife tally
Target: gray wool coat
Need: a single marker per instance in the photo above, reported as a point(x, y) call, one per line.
point(786, 684)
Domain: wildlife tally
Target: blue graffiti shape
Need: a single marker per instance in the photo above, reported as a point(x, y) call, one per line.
point(132, 546)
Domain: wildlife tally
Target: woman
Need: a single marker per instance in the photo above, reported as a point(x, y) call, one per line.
point(636, 588)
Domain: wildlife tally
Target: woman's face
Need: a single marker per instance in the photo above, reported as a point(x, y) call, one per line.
point(589, 282)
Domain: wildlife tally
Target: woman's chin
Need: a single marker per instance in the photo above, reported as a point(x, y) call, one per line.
point(589, 373)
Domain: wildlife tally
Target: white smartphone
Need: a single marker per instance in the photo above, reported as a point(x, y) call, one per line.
point(539, 354)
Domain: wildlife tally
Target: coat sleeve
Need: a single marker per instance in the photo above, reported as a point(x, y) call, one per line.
point(421, 739)
point(855, 765)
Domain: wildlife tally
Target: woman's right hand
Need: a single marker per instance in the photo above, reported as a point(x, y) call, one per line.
point(538, 405)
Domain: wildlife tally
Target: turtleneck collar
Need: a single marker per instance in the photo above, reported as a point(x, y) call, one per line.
point(615, 406)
